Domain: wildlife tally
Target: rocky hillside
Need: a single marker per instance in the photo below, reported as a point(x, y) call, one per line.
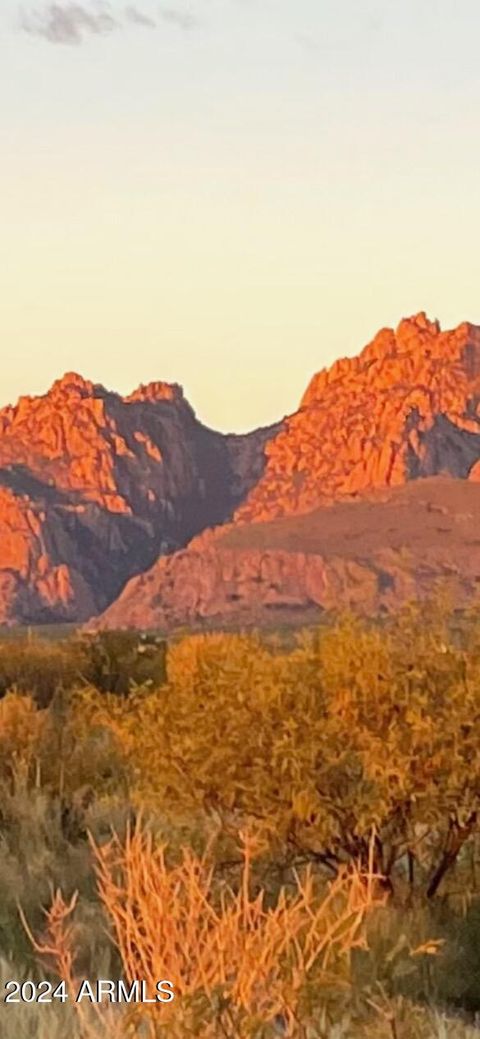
point(93, 487)
point(408, 407)
point(369, 554)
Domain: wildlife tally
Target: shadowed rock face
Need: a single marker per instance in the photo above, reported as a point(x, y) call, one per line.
point(93, 487)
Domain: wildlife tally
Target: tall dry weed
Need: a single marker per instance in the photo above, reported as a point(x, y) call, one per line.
point(236, 963)
point(239, 967)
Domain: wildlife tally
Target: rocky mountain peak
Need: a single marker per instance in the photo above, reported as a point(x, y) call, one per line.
point(156, 391)
point(407, 405)
point(72, 383)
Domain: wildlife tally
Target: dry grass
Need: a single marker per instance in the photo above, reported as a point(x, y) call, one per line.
point(224, 950)
point(240, 967)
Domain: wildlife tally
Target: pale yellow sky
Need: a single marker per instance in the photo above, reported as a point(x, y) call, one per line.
point(234, 204)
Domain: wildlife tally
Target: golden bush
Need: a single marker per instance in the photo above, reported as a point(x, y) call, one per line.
point(356, 726)
point(21, 729)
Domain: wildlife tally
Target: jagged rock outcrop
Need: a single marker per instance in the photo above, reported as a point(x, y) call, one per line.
point(369, 554)
point(93, 487)
point(407, 406)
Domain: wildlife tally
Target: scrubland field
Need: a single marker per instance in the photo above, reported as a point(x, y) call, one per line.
point(283, 825)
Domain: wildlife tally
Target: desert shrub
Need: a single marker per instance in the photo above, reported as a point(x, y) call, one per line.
point(112, 661)
point(457, 976)
point(423, 955)
point(49, 749)
point(40, 667)
point(21, 729)
point(117, 659)
point(73, 756)
point(357, 726)
point(243, 967)
point(44, 846)
point(317, 742)
point(35, 855)
point(239, 968)
point(56, 782)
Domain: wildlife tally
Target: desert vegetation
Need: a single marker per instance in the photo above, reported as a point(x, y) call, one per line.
point(285, 825)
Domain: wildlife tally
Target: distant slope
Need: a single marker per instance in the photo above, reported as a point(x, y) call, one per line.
point(369, 554)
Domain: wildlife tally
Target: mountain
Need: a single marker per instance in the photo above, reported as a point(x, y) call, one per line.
point(100, 494)
point(312, 531)
point(94, 486)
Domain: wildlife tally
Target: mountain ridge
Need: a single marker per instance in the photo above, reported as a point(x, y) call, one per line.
point(96, 487)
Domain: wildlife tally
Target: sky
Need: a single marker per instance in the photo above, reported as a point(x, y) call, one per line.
point(230, 194)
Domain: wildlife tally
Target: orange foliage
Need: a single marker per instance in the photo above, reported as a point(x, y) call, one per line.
point(236, 963)
point(222, 947)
